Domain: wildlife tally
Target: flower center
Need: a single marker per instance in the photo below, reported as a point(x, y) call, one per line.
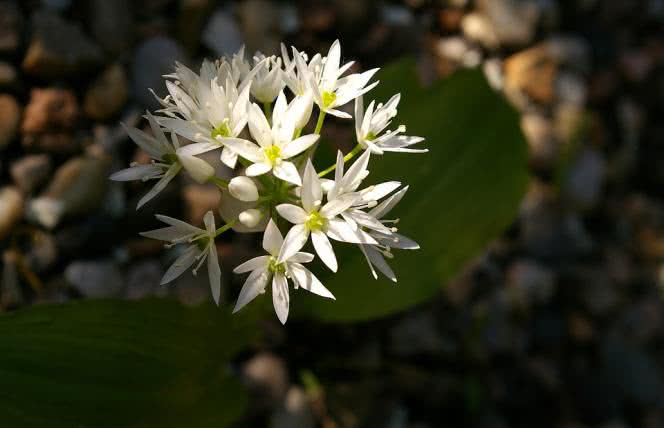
point(315, 221)
point(221, 130)
point(169, 158)
point(329, 98)
point(272, 153)
point(202, 242)
point(275, 267)
point(371, 136)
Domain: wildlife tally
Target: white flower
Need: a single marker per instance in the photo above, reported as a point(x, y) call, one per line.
point(279, 269)
point(209, 107)
point(200, 247)
point(243, 188)
point(329, 89)
point(376, 253)
point(268, 81)
point(319, 221)
point(370, 124)
point(168, 160)
point(275, 144)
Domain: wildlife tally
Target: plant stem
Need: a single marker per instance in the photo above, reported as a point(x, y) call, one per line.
point(319, 124)
point(224, 228)
point(357, 149)
point(267, 107)
point(222, 184)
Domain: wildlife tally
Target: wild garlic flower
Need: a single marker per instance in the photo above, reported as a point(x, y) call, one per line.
point(279, 270)
point(370, 124)
point(319, 221)
point(329, 89)
point(274, 144)
point(200, 247)
point(255, 111)
point(168, 159)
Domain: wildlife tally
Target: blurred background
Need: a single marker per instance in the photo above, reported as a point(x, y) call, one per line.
point(557, 322)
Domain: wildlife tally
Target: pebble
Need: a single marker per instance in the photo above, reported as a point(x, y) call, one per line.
point(43, 252)
point(199, 199)
point(222, 34)
point(585, 180)
point(513, 22)
point(59, 49)
point(10, 27)
point(96, 278)
point(143, 279)
point(295, 411)
point(8, 77)
point(477, 27)
point(191, 20)
point(111, 24)
point(77, 188)
point(528, 283)
point(11, 209)
point(31, 171)
point(532, 72)
point(539, 133)
point(416, 334)
point(9, 119)
point(266, 376)
point(107, 94)
point(50, 117)
point(152, 59)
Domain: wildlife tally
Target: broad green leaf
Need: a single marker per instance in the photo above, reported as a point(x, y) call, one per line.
point(153, 363)
point(462, 194)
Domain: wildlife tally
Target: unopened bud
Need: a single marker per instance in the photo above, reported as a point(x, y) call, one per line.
point(243, 188)
point(197, 168)
point(250, 217)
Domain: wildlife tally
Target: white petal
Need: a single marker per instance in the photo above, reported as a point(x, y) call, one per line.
point(301, 258)
point(287, 172)
point(259, 126)
point(356, 173)
point(331, 68)
point(208, 220)
point(324, 249)
point(183, 226)
point(295, 239)
point(161, 184)
point(253, 286)
point(292, 213)
point(307, 280)
point(199, 148)
point(180, 265)
point(272, 239)
point(228, 157)
point(339, 205)
point(137, 172)
point(214, 272)
point(371, 266)
point(380, 210)
point(280, 297)
point(312, 191)
point(186, 129)
point(377, 259)
point(244, 148)
point(338, 113)
point(379, 191)
point(342, 231)
point(252, 264)
point(299, 145)
point(166, 233)
point(257, 169)
point(149, 144)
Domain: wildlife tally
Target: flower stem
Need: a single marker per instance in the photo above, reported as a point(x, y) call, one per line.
point(224, 228)
point(222, 184)
point(319, 124)
point(357, 149)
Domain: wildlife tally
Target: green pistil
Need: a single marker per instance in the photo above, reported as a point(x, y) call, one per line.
point(371, 136)
point(202, 242)
point(222, 130)
point(275, 267)
point(315, 221)
point(169, 158)
point(272, 153)
point(329, 98)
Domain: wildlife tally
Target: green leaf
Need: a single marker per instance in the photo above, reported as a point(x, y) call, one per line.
point(121, 364)
point(462, 195)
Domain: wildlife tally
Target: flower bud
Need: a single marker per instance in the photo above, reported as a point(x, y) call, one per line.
point(250, 217)
point(197, 168)
point(243, 188)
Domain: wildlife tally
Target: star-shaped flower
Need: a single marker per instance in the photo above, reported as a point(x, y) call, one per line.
point(275, 143)
point(200, 247)
point(279, 269)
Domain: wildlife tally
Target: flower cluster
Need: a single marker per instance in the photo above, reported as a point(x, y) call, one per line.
point(256, 113)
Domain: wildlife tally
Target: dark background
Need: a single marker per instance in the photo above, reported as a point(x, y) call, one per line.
point(557, 324)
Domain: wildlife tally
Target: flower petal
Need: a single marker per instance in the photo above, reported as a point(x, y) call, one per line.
point(287, 172)
point(161, 184)
point(341, 231)
point(307, 280)
point(244, 148)
point(253, 286)
point(338, 205)
point(252, 264)
point(324, 249)
point(257, 169)
point(312, 191)
point(136, 172)
point(301, 258)
point(292, 213)
point(280, 296)
point(293, 242)
point(377, 260)
point(214, 272)
point(272, 239)
point(197, 168)
point(299, 145)
point(181, 264)
point(259, 126)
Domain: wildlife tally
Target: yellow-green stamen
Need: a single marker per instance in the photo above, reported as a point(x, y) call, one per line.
point(329, 98)
point(272, 153)
point(315, 221)
point(221, 130)
point(275, 267)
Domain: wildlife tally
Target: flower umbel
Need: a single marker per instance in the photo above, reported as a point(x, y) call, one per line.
point(257, 113)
